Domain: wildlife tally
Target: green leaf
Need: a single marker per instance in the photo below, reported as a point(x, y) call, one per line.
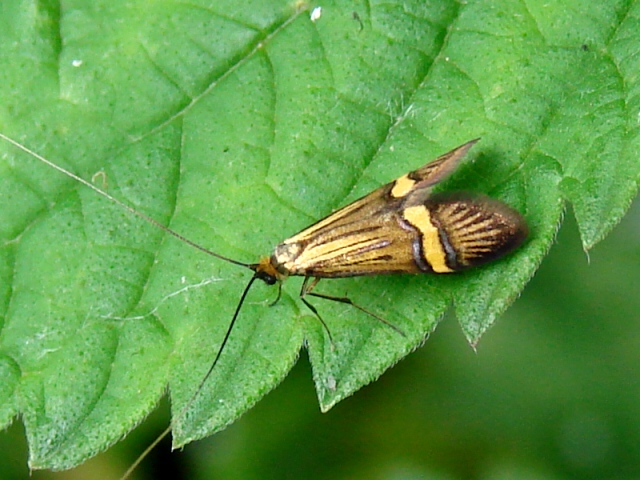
point(238, 125)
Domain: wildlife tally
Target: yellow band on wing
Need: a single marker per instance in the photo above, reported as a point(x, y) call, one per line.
point(402, 186)
point(432, 248)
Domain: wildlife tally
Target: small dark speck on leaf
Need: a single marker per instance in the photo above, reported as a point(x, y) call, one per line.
point(357, 18)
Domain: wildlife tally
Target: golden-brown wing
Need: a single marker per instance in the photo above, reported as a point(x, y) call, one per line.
point(363, 238)
point(401, 228)
point(475, 229)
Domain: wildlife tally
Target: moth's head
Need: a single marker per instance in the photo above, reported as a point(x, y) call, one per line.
point(266, 271)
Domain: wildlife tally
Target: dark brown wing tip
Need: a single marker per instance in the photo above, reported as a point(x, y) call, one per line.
point(457, 153)
point(475, 229)
point(440, 168)
point(464, 148)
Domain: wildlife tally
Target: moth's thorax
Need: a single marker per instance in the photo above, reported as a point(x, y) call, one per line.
point(284, 257)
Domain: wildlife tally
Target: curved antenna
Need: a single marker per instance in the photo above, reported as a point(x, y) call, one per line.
point(168, 230)
point(184, 409)
point(130, 209)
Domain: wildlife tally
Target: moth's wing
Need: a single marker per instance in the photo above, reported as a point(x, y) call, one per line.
point(475, 229)
point(363, 238)
point(370, 235)
point(416, 186)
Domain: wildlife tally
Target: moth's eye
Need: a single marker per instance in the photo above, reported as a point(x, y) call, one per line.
point(268, 279)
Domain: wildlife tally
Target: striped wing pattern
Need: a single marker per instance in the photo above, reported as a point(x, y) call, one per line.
point(402, 228)
point(364, 238)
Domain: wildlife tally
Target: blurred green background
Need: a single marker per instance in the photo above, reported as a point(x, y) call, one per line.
point(551, 393)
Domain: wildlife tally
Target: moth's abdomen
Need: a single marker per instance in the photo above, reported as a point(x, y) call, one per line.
point(475, 229)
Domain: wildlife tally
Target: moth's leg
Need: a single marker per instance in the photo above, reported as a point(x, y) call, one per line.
point(308, 286)
point(308, 290)
point(303, 291)
point(279, 295)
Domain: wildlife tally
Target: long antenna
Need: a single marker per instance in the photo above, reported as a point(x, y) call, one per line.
point(168, 230)
point(166, 432)
point(121, 203)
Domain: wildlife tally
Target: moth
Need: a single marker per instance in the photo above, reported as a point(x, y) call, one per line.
point(399, 228)
point(402, 227)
